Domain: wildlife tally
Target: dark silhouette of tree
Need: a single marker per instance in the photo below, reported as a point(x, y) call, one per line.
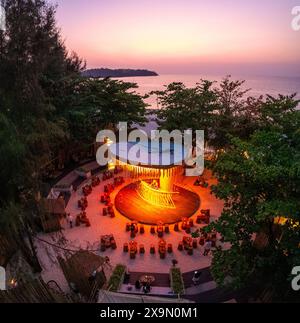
point(46, 105)
point(259, 181)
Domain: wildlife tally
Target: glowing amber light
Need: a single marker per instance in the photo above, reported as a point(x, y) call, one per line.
point(13, 283)
point(111, 165)
point(246, 155)
point(156, 197)
point(166, 177)
point(283, 221)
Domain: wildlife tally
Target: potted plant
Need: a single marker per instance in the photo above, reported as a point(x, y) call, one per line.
point(117, 278)
point(177, 284)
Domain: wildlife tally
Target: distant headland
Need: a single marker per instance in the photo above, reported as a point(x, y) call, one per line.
point(106, 72)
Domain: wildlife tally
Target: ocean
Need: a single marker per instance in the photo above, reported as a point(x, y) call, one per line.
point(258, 85)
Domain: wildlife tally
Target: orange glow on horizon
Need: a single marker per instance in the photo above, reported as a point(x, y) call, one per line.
point(166, 34)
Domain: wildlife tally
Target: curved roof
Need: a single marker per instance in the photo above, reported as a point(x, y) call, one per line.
point(149, 154)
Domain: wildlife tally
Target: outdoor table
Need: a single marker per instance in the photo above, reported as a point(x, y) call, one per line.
point(107, 241)
point(95, 181)
point(133, 247)
point(162, 248)
point(162, 243)
point(187, 242)
point(184, 223)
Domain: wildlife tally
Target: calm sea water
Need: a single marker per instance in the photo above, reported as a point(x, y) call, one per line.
point(257, 85)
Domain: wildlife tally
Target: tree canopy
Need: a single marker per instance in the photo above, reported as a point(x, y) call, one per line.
point(46, 105)
point(258, 172)
point(259, 181)
point(221, 111)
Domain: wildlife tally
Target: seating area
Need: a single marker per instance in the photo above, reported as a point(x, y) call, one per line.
point(87, 190)
point(109, 211)
point(96, 181)
point(107, 175)
point(204, 217)
point(188, 243)
point(118, 181)
point(162, 249)
point(83, 203)
point(161, 230)
point(82, 219)
point(107, 242)
point(133, 248)
point(144, 246)
point(135, 228)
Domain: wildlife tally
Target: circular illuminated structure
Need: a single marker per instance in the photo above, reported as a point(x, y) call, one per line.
point(155, 193)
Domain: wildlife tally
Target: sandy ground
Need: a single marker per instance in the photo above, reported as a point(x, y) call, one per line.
point(83, 237)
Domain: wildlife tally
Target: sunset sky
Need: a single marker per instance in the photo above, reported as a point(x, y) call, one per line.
point(184, 36)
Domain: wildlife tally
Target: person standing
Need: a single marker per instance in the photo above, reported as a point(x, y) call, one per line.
point(70, 220)
point(196, 278)
point(207, 247)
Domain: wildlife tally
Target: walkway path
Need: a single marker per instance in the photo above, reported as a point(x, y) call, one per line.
point(206, 291)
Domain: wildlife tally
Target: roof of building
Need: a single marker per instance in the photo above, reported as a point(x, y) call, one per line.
point(149, 154)
point(54, 206)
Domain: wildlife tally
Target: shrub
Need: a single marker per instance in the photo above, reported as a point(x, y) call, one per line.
point(177, 284)
point(116, 278)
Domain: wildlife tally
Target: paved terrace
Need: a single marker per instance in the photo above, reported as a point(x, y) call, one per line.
point(83, 237)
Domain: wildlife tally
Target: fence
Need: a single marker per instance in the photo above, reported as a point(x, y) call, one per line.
point(35, 291)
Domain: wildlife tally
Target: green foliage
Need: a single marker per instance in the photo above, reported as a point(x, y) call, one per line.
point(90, 105)
point(177, 284)
point(233, 267)
point(33, 63)
point(12, 153)
point(46, 107)
point(45, 104)
point(116, 278)
point(259, 180)
point(222, 112)
point(184, 108)
point(10, 220)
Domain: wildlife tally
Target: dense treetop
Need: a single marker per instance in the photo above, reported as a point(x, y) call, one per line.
point(107, 72)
